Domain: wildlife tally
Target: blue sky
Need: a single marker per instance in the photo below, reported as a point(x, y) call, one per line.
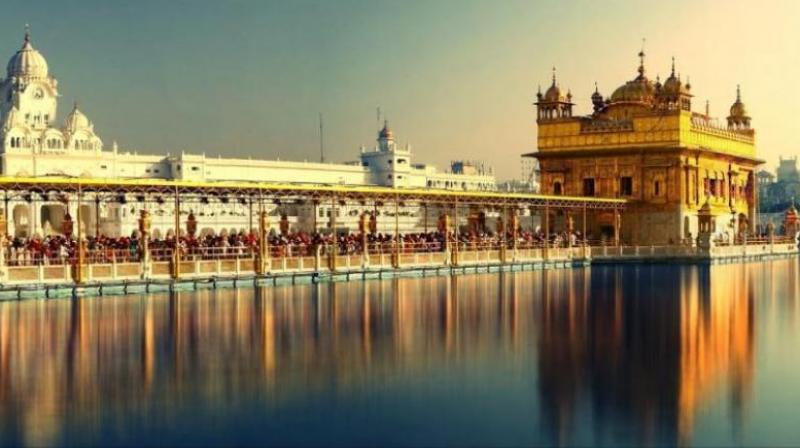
point(455, 78)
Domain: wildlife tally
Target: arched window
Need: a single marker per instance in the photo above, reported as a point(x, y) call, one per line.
point(557, 188)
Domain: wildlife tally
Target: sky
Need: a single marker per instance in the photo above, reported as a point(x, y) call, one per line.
point(456, 79)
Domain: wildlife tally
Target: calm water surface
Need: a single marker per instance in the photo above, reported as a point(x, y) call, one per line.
point(602, 356)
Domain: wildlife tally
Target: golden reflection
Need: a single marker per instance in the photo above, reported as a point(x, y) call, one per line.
point(641, 346)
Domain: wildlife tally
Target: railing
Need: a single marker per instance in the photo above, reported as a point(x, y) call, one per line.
point(21, 266)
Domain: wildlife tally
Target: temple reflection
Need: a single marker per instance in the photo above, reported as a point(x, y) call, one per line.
point(642, 350)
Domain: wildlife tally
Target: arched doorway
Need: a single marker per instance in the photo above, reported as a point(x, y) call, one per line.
point(20, 217)
point(52, 218)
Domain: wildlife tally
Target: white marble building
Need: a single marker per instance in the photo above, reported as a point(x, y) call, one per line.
point(32, 143)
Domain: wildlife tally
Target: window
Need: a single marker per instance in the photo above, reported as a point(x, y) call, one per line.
point(657, 188)
point(626, 186)
point(401, 161)
point(557, 188)
point(364, 163)
point(195, 168)
point(588, 187)
point(103, 167)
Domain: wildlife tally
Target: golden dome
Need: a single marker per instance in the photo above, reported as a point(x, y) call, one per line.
point(553, 93)
point(737, 108)
point(639, 90)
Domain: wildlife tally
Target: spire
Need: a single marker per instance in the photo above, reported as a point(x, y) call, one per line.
point(738, 94)
point(27, 33)
point(673, 66)
point(596, 89)
point(708, 109)
point(641, 60)
point(554, 75)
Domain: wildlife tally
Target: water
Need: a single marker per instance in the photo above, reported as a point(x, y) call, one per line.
point(603, 356)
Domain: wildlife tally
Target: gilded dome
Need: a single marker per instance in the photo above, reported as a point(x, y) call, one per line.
point(638, 90)
point(673, 85)
point(27, 62)
point(553, 94)
point(737, 108)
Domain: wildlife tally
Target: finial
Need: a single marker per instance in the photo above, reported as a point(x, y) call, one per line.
point(673, 66)
point(596, 89)
point(539, 91)
point(27, 33)
point(738, 94)
point(688, 83)
point(75, 105)
point(554, 75)
point(641, 59)
point(708, 109)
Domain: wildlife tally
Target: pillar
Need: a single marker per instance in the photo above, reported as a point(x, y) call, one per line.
point(335, 245)
point(454, 252)
point(97, 216)
point(363, 228)
point(77, 269)
point(502, 229)
point(263, 260)
point(617, 225)
point(175, 270)
point(144, 247)
point(546, 231)
point(396, 232)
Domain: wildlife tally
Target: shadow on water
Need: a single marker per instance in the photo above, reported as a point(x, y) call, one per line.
point(601, 356)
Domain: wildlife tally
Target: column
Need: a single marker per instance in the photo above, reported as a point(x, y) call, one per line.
point(502, 229)
point(144, 249)
point(77, 272)
point(617, 225)
point(263, 263)
point(335, 245)
point(396, 231)
point(97, 216)
point(176, 253)
point(546, 247)
point(455, 232)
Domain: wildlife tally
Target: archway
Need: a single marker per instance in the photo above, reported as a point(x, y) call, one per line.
point(20, 217)
point(52, 219)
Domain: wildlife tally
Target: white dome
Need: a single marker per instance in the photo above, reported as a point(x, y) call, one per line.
point(13, 119)
point(76, 121)
point(27, 62)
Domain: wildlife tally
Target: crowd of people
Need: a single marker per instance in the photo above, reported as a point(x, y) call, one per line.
point(58, 249)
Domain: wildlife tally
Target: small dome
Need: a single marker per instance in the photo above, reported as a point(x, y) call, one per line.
point(13, 118)
point(737, 108)
point(27, 62)
point(553, 94)
point(386, 133)
point(76, 121)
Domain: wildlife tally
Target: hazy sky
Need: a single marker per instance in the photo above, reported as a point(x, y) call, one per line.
point(455, 78)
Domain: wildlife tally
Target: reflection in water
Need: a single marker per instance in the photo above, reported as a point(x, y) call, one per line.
point(629, 354)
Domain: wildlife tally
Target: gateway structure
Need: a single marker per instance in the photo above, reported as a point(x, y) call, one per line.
point(676, 167)
point(32, 144)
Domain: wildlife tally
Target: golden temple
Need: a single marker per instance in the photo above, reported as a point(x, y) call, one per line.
point(645, 144)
